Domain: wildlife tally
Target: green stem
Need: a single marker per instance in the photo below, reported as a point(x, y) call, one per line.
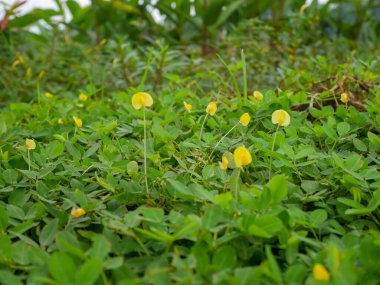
point(28, 159)
point(223, 139)
point(38, 93)
point(204, 120)
point(245, 86)
point(237, 186)
point(273, 144)
point(145, 154)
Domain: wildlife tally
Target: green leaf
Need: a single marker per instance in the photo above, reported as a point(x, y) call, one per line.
point(72, 150)
point(62, 268)
point(278, 187)
point(132, 167)
point(317, 217)
point(54, 149)
point(343, 128)
point(154, 215)
point(8, 278)
point(265, 226)
point(48, 233)
point(225, 257)
point(89, 272)
point(91, 150)
point(10, 176)
point(359, 145)
point(4, 218)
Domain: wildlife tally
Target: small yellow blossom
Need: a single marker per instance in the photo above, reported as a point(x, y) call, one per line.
point(188, 107)
point(281, 118)
point(224, 164)
point(141, 99)
point(245, 119)
point(344, 98)
point(30, 144)
point(211, 108)
point(28, 72)
point(102, 42)
point(303, 8)
point(48, 95)
point(60, 121)
point(83, 97)
point(15, 63)
point(242, 156)
point(41, 75)
point(258, 96)
point(320, 272)
point(78, 122)
point(77, 212)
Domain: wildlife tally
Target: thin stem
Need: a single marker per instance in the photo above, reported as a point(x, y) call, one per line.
point(38, 93)
point(28, 158)
point(223, 138)
point(204, 120)
point(273, 144)
point(145, 166)
point(75, 131)
point(237, 188)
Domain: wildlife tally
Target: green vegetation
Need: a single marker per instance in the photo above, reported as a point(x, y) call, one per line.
point(299, 204)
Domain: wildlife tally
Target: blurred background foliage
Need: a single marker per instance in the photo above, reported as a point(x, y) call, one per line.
point(107, 43)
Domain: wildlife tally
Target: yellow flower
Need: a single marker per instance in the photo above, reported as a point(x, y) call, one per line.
point(188, 107)
point(78, 122)
point(242, 156)
point(102, 42)
point(141, 99)
point(245, 119)
point(48, 95)
point(30, 144)
point(303, 8)
point(60, 121)
point(258, 96)
point(320, 272)
point(28, 72)
point(41, 75)
point(77, 212)
point(281, 118)
point(211, 108)
point(83, 97)
point(344, 98)
point(15, 63)
point(224, 164)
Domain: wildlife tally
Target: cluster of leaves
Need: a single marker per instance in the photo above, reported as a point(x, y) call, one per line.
point(310, 196)
point(321, 205)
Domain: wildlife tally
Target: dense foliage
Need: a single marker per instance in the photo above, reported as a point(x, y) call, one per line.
point(298, 205)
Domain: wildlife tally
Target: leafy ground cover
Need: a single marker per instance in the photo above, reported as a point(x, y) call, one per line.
point(75, 207)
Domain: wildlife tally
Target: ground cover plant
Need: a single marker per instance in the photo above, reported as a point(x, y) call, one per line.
point(252, 159)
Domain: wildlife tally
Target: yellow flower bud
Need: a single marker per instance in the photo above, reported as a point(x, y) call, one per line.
point(77, 212)
point(78, 122)
point(41, 75)
point(258, 96)
point(344, 98)
point(211, 108)
point(224, 164)
point(281, 118)
point(30, 144)
point(60, 121)
point(83, 97)
point(242, 156)
point(245, 119)
point(188, 107)
point(141, 99)
point(48, 95)
point(320, 272)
